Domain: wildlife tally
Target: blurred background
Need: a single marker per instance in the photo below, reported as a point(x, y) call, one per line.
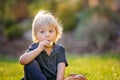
point(90, 26)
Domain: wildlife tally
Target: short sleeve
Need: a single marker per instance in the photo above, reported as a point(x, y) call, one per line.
point(32, 47)
point(61, 56)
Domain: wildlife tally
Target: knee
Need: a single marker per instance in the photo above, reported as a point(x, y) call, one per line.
point(31, 65)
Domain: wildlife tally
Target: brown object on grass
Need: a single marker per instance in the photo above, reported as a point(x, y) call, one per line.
point(75, 77)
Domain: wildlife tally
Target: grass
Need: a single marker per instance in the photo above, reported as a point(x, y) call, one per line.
point(94, 67)
point(10, 69)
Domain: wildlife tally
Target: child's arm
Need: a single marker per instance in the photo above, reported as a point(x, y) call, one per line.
point(29, 56)
point(60, 71)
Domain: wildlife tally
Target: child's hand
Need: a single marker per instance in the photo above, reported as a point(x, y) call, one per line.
point(49, 45)
point(45, 44)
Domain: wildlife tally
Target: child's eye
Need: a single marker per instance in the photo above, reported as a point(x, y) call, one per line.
point(51, 30)
point(41, 31)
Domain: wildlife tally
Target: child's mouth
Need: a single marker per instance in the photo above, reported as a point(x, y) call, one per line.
point(50, 45)
point(49, 40)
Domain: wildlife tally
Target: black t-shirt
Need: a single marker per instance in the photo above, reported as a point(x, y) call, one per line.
point(49, 63)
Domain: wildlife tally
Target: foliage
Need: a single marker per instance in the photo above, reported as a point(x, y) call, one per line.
point(67, 16)
point(12, 30)
point(97, 27)
point(9, 19)
point(94, 67)
point(64, 9)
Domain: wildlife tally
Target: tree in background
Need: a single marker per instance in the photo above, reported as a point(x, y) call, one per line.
point(98, 26)
point(13, 14)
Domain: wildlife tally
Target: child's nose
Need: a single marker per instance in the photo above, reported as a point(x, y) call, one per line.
point(47, 34)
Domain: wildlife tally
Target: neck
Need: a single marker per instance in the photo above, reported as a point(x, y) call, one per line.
point(48, 50)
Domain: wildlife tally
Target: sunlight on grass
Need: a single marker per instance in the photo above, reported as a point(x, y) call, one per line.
point(10, 69)
point(94, 67)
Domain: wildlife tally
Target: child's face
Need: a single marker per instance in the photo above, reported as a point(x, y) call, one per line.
point(46, 33)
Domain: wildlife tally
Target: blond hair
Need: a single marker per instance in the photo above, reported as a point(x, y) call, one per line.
point(44, 18)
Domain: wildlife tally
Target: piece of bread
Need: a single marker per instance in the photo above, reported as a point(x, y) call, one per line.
point(75, 77)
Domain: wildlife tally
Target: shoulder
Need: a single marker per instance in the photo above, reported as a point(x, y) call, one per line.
point(32, 47)
point(59, 47)
point(34, 44)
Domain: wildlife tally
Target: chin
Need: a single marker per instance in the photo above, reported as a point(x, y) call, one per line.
point(49, 46)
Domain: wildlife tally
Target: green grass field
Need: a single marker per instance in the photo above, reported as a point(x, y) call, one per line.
point(94, 67)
